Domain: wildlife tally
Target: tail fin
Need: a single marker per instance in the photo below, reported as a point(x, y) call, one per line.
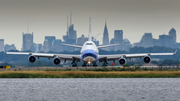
point(90, 36)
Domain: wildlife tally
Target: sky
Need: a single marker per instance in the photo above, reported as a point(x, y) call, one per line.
point(49, 18)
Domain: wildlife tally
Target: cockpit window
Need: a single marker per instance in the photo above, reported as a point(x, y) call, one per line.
point(89, 43)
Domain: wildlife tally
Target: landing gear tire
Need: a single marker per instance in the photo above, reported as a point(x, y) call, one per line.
point(74, 65)
point(104, 65)
point(84, 65)
point(94, 65)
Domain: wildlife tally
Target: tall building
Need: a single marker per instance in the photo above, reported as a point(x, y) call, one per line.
point(166, 40)
point(1, 45)
point(112, 42)
point(50, 39)
point(81, 40)
point(57, 46)
point(156, 42)
point(146, 41)
point(9, 47)
point(172, 33)
point(70, 37)
point(27, 42)
point(39, 47)
point(126, 44)
point(118, 39)
point(45, 47)
point(106, 38)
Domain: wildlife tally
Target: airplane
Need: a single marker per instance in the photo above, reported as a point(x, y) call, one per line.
point(90, 55)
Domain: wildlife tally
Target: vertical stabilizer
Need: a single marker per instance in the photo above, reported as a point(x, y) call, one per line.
point(90, 36)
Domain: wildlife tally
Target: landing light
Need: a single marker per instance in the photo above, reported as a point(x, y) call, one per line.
point(89, 62)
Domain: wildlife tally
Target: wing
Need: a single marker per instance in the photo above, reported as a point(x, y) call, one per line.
point(47, 55)
point(72, 45)
point(117, 56)
point(107, 45)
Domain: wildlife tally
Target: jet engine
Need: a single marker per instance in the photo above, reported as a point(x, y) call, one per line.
point(147, 59)
point(32, 59)
point(122, 61)
point(56, 61)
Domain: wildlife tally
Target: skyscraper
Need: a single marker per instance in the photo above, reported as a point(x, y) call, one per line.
point(118, 39)
point(106, 38)
point(81, 40)
point(166, 40)
point(46, 46)
point(70, 37)
point(50, 39)
point(1, 45)
point(27, 42)
point(57, 46)
point(146, 41)
point(39, 47)
point(172, 33)
point(9, 47)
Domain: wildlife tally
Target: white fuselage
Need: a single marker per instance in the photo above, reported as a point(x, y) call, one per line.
point(89, 52)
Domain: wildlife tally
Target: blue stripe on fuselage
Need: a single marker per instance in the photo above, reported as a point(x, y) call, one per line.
point(89, 52)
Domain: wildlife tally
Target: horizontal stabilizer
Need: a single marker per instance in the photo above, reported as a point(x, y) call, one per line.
point(107, 45)
point(72, 45)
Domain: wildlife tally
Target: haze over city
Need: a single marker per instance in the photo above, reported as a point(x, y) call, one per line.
point(49, 18)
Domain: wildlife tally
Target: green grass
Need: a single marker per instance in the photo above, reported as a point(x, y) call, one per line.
point(125, 72)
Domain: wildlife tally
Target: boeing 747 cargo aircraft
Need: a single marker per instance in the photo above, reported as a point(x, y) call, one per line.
point(89, 55)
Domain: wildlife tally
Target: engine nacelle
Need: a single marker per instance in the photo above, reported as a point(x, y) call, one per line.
point(56, 61)
point(147, 59)
point(32, 59)
point(122, 61)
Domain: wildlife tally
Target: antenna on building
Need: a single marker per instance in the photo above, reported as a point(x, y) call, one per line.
point(70, 18)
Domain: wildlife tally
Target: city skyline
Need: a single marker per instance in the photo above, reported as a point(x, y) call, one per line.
point(49, 18)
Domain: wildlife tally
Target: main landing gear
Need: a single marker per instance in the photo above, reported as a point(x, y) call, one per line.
point(94, 64)
point(84, 64)
point(74, 63)
point(105, 62)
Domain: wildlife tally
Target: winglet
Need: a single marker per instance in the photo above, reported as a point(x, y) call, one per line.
point(175, 51)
